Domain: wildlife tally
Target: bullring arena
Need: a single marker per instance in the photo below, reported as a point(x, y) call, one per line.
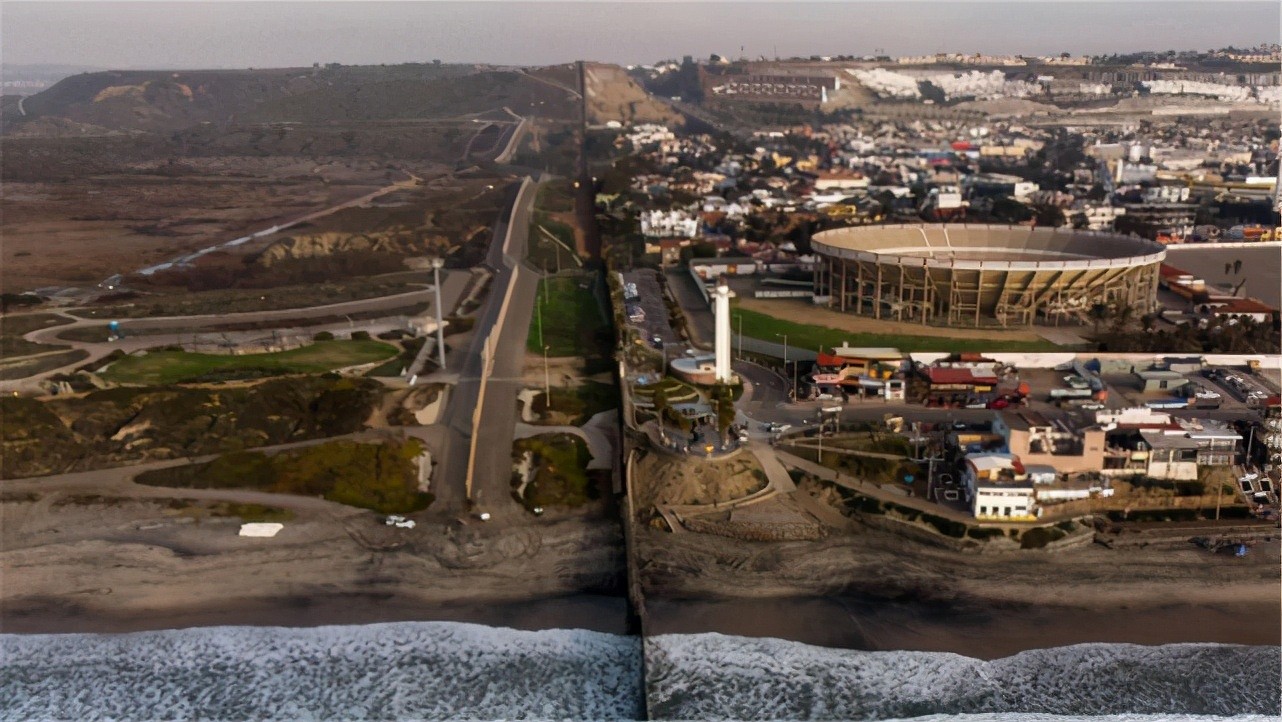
point(983, 275)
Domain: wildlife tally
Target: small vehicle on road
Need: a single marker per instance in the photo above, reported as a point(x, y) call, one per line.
point(399, 522)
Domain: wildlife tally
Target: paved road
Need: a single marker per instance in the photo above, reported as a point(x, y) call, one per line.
point(496, 425)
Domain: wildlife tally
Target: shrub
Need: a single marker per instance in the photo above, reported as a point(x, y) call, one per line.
point(1039, 537)
point(867, 505)
point(979, 532)
point(323, 336)
point(360, 335)
point(947, 527)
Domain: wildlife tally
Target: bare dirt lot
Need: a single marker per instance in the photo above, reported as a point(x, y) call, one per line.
point(82, 231)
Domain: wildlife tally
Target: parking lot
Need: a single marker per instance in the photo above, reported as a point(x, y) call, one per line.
point(652, 302)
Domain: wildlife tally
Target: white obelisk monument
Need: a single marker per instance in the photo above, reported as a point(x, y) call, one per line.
point(721, 311)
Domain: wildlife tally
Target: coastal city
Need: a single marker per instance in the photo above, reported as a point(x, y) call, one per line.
point(976, 354)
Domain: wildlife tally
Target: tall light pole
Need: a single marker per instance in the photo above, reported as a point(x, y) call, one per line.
point(437, 264)
point(547, 380)
point(538, 306)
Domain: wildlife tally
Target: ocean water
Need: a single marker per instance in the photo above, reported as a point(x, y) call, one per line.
point(450, 670)
point(406, 670)
point(715, 677)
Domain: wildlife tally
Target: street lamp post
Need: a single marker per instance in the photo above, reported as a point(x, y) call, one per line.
point(538, 307)
point(437, 264)
point(547, 380)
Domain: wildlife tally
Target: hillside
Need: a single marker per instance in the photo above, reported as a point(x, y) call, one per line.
point(614, 95)
point(166, 101)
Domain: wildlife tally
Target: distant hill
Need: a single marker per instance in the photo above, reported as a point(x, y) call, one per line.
point(174, 100)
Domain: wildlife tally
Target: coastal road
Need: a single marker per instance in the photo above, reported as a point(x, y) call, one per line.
point(481, 415)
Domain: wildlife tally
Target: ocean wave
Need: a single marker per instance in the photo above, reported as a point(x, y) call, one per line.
point(715, 677)
point(404, 670)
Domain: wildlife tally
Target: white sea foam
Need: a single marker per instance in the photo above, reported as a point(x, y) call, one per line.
point(713, 676)
point(405, 670)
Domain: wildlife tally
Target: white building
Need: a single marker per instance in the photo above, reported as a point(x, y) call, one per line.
point(669, 224)
point(998, 489)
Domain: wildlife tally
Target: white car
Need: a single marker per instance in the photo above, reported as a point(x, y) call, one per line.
point(1206, 394)
point(399, 522)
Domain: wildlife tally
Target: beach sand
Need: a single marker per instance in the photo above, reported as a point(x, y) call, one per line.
point(134, 564)
point(855, 623)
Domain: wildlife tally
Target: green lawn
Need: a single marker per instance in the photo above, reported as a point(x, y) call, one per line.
point(167, 367)
point(760, 326)
point(570, 319)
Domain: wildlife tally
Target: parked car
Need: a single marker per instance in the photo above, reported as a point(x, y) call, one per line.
point(998, 404)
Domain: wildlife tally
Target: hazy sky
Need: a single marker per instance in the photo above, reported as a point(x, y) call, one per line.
point(266, 34)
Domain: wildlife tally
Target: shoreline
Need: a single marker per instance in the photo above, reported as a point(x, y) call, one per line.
point(593, 612)
point(998, 631)
point(838, 622)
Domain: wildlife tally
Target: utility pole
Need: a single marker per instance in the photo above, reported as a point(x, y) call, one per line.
point(547, 380)
point(538, 307)
point(437, 263)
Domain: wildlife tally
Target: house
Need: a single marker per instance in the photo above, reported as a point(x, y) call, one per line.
point(1038, 441)
point(998, 489)
point(1149, 443)
point(1244, 308)
point(949, 385)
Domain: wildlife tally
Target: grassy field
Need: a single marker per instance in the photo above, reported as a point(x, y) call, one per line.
point(381, 477)
point(182, 303)
point(760, 326)
point(546, 254)
point(168, 367)
point(571, 320)
point(80, 432)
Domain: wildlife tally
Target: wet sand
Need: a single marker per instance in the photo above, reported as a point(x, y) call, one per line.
point(984, 633)
point(593, 612)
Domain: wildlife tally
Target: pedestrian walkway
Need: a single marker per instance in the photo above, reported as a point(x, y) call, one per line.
point(778, 476)
point(871, 490)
